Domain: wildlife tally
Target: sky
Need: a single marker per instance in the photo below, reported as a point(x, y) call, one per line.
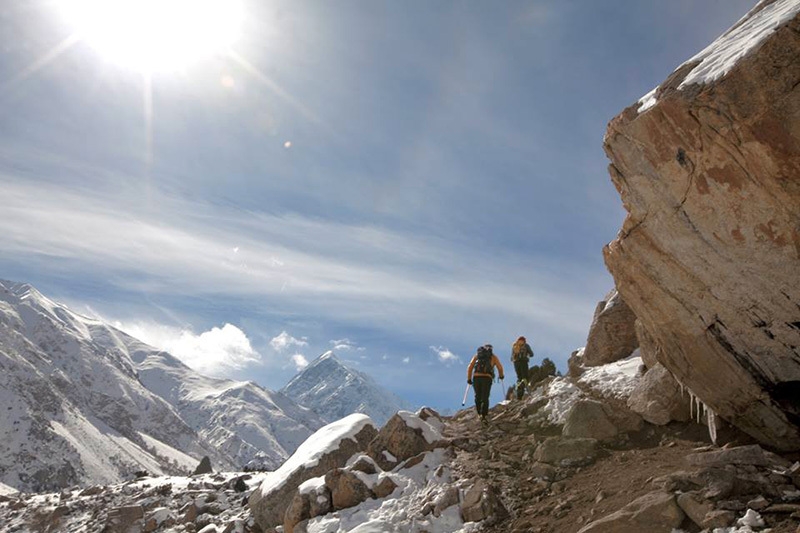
point(399, 182)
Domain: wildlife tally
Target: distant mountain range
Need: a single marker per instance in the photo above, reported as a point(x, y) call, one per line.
point(81, 402)
point(334, 390)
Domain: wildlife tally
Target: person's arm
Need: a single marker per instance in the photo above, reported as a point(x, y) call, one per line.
point(496, 362)
point(469, 369)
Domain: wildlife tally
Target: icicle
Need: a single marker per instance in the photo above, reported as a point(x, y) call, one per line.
point(691, 405)
point(711, 418)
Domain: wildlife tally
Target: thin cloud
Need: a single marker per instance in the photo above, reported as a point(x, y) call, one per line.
point(445, 356)
point(284, 341)
point(218, 352)
point(406, 360)
point(343, 345)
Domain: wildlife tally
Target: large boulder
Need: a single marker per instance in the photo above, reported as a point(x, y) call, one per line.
point(561, 451)
point(708, 168)
point(648, 347)
point(406, 435)
point(656, 512)
point(588, 419)
point(612, 335)
point(329, 448)
point(658, 398)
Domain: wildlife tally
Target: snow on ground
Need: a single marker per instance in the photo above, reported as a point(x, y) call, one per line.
point(325, 440)
point(399, 512)
point(431, 428)
point(160, 449)
point(561, 394)
point(6, 490)
point(614, 379)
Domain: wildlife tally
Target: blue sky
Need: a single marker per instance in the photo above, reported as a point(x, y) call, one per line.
point(402, 181)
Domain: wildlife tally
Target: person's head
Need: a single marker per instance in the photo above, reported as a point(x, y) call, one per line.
point(488, 347)
point(521, 339)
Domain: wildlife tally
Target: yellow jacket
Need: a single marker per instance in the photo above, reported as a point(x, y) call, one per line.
point(495, 363)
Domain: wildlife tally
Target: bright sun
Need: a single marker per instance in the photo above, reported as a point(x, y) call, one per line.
point(156, 35)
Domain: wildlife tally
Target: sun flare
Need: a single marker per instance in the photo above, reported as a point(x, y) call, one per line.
point(156, 35)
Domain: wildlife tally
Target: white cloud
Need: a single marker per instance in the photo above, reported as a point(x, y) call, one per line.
point(217, 352)
point(445, 356)
point(343, 345)
point(406, 360)
point(284, 341)
point(300, 361)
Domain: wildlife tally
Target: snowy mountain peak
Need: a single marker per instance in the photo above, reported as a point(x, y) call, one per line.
point(334, 390)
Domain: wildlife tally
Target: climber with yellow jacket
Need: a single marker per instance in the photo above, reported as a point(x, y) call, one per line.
point(480, 374)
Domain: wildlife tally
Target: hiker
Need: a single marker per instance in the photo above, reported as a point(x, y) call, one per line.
point(482, 365)
point(521, 353)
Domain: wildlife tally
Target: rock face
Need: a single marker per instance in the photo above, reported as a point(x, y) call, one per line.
point(406, 435)
point(612, 335)
point(708, 258)
point(329, 448)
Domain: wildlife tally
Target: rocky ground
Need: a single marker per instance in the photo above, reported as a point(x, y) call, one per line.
point(568, 497)
point(564, 459)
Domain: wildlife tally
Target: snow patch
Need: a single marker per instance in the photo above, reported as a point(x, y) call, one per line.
point(615, 379)
point(431, 428)
point(325, 440)
point(314, 485)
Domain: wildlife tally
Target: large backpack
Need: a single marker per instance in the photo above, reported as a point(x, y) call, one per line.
point(519, 350)
point(483, 363)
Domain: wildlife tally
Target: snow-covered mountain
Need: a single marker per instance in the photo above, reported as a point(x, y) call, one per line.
point(256, 427)
point(334, 391)
point(81, 402)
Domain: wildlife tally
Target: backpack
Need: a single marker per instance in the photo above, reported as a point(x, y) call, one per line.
point(519, 350)
point(483, 363)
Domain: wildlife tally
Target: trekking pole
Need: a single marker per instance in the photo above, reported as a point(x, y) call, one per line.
point(464, 401)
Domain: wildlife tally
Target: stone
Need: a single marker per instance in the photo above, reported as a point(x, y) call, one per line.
point(405, 435)
point(658, 398)
point(708, 255)
point(543, 471)
point(718, 519)
point(364, 463)
point(695, 507)
point(384, 487)
point(204, 467)
point(648, 347)
point(340, 440)
point(741, 455)
point(306, 505)
point(561, 451)
point(758, 503)
point(347, 489)
point(656, 511)
point(481, 503)
point(588, 419)
point(612, 335)
point(445, 500)
point(125, 518)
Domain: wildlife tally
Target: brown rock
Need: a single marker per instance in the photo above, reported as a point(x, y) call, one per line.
point(347, 489)
point(403, 438)
point(481, 503)
point(709, 254)
point(648, 347)
point(446, 499)
point(718, 518)
point(612, 335)
point(753, 455)
point(268, 503)
point(204, 467)
point(588, 419)
point(384, 487)
point(305, 505)
point(561, 451)
point(656, 511)
point(695, 507)
point(658, 398)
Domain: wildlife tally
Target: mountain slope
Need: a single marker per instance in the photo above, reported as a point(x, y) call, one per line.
point(73, 408)
point(256, 427)
point(83, 402)
point(334, 391)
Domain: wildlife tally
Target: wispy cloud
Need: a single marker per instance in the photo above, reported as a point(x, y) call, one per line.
point(285, 341)
point(444, 355)
point(217, 352)
point(344, 345)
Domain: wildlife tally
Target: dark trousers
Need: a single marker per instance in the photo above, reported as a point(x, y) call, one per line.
point(483, 387)
point(521, 368)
